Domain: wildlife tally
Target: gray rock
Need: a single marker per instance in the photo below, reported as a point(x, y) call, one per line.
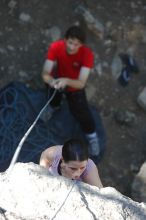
point(10, 47)
point(137, 19)
point(125, 117)
point(12, 4)
point(3, 51)
point(133, 5)
point(139, 185)
point(92, 23)
point(31, 192)
point(98, 69)
point(142, 99)
point(24, 17)
point(144, 36)
point(116, 66)
point(55, 33)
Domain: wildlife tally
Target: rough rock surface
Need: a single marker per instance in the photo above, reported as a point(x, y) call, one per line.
point(30, 192)
point(139, 185)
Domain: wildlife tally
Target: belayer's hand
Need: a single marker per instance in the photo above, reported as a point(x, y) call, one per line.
point(52, 83)
point(61, 83)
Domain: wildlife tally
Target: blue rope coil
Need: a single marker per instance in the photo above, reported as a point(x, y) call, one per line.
point(17, 112)
point(19, 107)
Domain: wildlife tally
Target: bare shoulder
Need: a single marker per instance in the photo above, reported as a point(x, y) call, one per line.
point(48, 155)
point(50, 152)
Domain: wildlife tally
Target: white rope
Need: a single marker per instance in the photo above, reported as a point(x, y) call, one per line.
point(59, 209)
point(19, 147)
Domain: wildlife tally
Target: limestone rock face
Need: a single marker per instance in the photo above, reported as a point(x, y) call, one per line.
point(31, 192)
point(139, 185)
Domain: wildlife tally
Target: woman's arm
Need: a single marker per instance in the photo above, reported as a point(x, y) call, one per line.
point(92, 177)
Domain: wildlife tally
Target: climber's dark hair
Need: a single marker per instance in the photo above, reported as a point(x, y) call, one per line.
point(76, 32)
point(75, 150)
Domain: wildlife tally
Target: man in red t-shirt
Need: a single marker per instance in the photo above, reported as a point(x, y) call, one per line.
point(72, 61)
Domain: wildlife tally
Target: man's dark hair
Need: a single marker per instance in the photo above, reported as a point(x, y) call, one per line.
point(76, 32)
point(75, 150)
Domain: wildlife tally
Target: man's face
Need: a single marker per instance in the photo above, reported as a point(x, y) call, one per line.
point(72, 45)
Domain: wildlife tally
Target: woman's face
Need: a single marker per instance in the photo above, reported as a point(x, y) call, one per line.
point(73, 169)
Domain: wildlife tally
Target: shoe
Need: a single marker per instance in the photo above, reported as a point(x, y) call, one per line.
point(94, 148)
point(129, 62)
point(124, 77)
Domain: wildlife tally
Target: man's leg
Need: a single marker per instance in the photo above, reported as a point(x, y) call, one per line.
point(54, 104)
point(56, 101)
point(80, 109)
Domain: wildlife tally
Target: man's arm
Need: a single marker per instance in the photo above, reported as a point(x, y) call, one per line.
point(74, 83)
point(47, 69)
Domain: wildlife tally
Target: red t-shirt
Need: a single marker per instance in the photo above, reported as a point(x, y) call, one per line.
point(69, 65)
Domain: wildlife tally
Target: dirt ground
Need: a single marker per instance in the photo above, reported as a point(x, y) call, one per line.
point(23, 43)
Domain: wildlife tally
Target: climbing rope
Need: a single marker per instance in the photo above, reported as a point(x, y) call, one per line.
point(62, 204)
point(11, 112)
point(19, 147)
